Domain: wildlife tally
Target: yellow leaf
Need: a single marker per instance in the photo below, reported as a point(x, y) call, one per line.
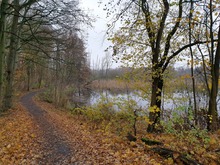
point(212, 141)
point(201, 151)
point(169, 161)
point(33, 135)
point(133, 144)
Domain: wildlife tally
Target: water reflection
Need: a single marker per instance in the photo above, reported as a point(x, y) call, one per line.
point(178, 101)
point(109, 95)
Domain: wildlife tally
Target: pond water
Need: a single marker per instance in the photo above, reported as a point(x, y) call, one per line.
point(106, 95)
point(181, 101)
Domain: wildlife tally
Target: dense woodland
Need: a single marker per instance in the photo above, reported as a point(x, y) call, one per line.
point(42, 46)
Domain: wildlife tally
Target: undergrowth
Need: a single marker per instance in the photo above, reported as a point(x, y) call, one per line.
point(122, 116)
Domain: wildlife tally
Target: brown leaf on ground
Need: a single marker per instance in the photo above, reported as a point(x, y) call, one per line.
point(29, 139)
point(97, 146)
point(18, 138)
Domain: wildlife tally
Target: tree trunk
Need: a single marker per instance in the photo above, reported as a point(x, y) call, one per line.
point(212, 111)
point(4, 4)
point(192, 63)
point(28, 75)
point(40, 78)
point(155, 106)
point(7, 102)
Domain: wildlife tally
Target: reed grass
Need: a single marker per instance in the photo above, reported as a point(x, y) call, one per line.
point(115, 84)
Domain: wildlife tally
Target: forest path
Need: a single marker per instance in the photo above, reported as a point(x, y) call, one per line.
point(55, 148)
point(66, 139)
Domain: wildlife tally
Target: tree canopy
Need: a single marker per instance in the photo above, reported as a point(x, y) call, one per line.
point(155, 34)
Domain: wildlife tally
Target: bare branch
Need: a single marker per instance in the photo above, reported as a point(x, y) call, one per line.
point(180, 50)
point(162, 24)
point(172, 32)
point(149, 23)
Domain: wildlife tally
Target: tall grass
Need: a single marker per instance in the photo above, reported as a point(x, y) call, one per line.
point(117, 84)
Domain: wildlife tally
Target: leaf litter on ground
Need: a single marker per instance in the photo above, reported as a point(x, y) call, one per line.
point(21, 139)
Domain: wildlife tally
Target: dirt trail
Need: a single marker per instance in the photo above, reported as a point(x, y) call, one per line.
point(56, 149)
point(67, 140)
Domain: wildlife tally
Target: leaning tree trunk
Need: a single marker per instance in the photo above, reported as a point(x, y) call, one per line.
point(7, 102)
point(155, 106)
point(212, 111)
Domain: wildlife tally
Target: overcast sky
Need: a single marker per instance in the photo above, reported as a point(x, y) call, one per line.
point(96, 41)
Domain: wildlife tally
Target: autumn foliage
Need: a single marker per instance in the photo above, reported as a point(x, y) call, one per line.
point(102, 145)
point(19, 140)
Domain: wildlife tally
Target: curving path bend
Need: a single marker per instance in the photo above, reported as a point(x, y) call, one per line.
point(55, 148)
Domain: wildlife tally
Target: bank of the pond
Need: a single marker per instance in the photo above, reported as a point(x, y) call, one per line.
point(195, 143)
point(178, 101)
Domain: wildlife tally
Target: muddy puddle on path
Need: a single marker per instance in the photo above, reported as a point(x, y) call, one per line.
point(55, 148)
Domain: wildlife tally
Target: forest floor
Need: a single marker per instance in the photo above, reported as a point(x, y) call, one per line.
point(36, 132)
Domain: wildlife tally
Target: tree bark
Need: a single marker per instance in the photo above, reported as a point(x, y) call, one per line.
point(212, 111)
point(28, 75)
point(156, 95)
point(4, 5)
point(192, 63)
point(7, 102)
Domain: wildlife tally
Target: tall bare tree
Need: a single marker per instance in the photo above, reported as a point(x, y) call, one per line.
point(3, 11)
point(214, 57)
point(10, 68)
point(155, 32)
